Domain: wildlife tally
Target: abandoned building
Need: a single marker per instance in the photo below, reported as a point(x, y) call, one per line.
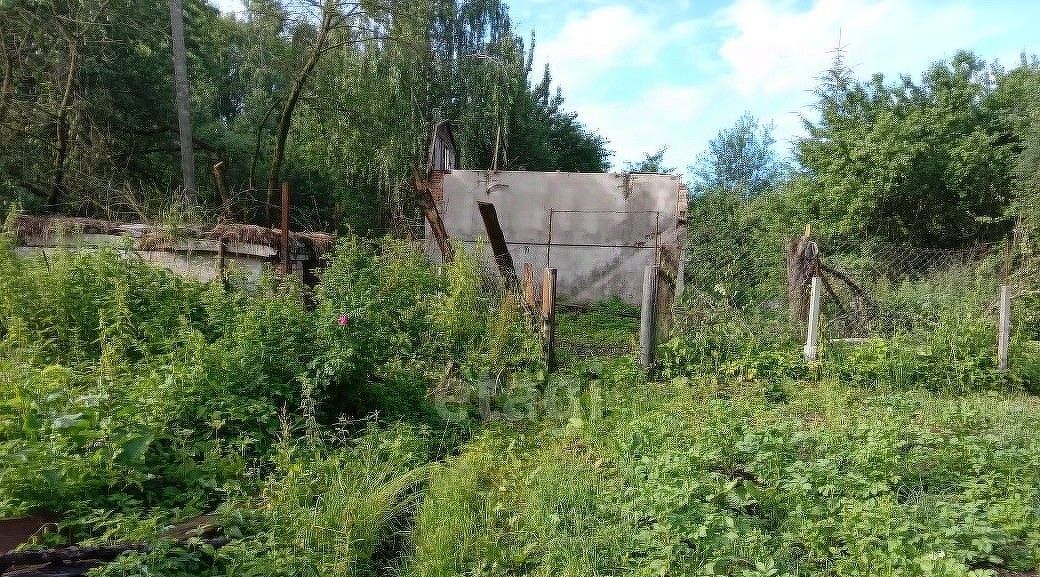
point(599, 230)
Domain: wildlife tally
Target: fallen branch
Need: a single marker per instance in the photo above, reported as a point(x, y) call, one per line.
point(80, 554)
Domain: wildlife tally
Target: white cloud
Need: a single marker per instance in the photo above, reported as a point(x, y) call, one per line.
point(650, 120)
point(656, 72)
point(603, 40)
point(605, 60)
point(229, 6)
point(775, 50)
point(778, 48)
point(595, 42)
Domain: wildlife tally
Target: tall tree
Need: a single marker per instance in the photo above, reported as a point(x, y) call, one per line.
point(343, 115)
point(741, 159)
point(183, 98)
point(927, 163)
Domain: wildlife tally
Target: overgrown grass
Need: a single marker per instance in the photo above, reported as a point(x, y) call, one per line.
point(397, 421)
point(606, 329)
point(690, 478)
point(125, 388)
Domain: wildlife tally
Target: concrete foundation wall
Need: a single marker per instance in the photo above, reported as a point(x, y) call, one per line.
point(201, 265)
point(606, 228)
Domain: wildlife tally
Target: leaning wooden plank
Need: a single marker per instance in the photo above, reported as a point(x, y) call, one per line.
point(498, 243)
point(433, 216)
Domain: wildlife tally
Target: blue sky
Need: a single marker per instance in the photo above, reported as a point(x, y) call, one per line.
point(675, 72)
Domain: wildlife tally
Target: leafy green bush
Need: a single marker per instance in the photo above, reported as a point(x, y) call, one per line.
point(715, 339)
point(389, 327)
point(125, 387)
point(679, 481)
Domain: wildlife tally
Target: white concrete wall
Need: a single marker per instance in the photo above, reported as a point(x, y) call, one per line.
point(201, 264)
point(644, 228)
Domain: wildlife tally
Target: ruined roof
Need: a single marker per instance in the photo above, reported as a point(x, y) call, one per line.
point(29, 226)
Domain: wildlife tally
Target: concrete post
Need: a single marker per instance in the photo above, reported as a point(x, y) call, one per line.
point(812, 337)
point(648, 317)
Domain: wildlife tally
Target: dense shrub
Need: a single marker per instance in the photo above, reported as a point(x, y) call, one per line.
point(680, 481)
point(123, 386)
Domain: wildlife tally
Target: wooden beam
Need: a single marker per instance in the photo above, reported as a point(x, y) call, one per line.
point(498, 243)
point(648, 316)
point(433, 216)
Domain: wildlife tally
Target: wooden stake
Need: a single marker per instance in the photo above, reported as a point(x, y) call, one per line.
point(1004, 328)
point(549, 317)
point(284, 245)
point(530, 298)
point(222, 262)
point(812, 338)
point(648, 317)
point(222, 189)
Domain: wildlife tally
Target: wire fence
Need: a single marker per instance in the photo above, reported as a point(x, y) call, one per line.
point(940, 303)
point(867, 290)
point(880, 290)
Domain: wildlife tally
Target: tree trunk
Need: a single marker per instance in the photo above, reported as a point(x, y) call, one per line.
point(62, 127)
point(183, 96)
point(8, 72)
point(285, 118)
point(802, 265)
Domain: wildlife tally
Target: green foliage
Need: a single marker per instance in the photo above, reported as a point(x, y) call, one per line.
point(125, 387)
point(740, 160)
point(91, 84)
point(652, 162)
point(734, 254)
point(405, 320)
point(928, 164)
point(681, 482)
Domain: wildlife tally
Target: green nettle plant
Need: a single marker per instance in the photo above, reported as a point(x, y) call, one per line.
point(124, 387)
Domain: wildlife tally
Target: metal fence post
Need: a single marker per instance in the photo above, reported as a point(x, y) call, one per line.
point(1004, 328)
point(812, 337)
point(648, 317)
point(549, 318)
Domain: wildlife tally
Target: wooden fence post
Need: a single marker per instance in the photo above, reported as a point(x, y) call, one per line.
point(648, 317)
point(812, 337)
point(284, 244)
point(222, 263)
point(1004, 328)
point(549, 317)
point(528, 290)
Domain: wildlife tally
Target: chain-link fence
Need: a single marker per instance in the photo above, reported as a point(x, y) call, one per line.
point(879, 290)
point(895, 313)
